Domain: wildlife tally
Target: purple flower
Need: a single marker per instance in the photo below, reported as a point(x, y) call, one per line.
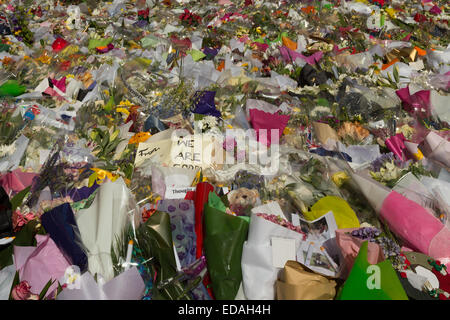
point(171, 208)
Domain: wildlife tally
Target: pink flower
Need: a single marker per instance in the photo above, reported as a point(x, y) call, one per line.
point(20, 219)
point(22, 292)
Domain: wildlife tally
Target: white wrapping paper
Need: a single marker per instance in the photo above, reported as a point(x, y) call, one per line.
point(258, 274)
point(103, 222)
point(126, 286)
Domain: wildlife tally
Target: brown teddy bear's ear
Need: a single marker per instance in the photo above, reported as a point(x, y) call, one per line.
point(255, 192)
point(231, 194)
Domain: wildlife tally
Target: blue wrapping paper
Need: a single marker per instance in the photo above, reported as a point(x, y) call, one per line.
point(63, 229)
point(154, 125)
point(323, 152)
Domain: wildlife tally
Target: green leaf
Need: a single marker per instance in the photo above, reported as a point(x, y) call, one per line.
point(396, 77)
point(17, 200)
point(59, 289)
point(110, 104)
point(115, 134)
point(92, 179)
point(44, 291)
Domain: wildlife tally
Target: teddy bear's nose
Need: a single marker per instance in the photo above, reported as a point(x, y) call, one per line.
point(244, 196)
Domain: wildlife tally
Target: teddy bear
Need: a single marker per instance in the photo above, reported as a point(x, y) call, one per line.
point(241, 200)
point(74, 20)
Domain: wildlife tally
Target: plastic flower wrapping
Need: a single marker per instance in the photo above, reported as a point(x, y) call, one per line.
point(224, 150)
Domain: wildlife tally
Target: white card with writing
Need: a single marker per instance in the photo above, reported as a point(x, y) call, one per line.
point(177, 192)
point(283, 249)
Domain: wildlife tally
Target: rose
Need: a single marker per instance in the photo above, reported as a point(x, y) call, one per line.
point(22, 292)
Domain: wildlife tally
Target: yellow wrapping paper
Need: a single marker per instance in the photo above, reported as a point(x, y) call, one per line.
point(300, 283)
point(344, 215)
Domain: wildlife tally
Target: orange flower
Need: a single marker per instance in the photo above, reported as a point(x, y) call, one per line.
point(353, 130)
point(309, 9)
point(289, 43)
point(139, 137)
point(221, 65)
point(7, 60)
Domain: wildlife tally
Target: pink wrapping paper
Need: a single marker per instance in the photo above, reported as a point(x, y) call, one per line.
point(437, 148)
point(418, 101)
point(349, 247)
point(15, 181)
point(60, 84)
point(53, 93)
point(290, 55)
point(264, 120)
point(411, 222)
point(39, 264)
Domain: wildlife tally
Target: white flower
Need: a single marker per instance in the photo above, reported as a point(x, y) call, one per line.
point(7, 150)
point(320, 109)
point(210, 121)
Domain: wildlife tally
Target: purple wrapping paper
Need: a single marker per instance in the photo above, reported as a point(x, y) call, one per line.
point(82, 193)
point(206, 105)
point(210, 52)
point(182, 221)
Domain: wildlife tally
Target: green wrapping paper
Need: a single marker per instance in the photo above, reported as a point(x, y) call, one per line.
point(371, 282)
point(11, 88)
point(224, 239)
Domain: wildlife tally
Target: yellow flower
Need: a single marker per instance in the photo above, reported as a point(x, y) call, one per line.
point(44, 58)
point(102, 174)
point(123, 110)
point(125, 103)
point(339, 178)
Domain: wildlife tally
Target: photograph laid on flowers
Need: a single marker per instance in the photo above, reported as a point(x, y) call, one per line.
point(224, 150)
